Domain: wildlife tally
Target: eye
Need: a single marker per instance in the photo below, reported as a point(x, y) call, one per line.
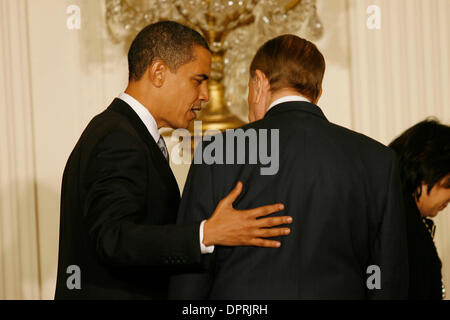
point(447, 184)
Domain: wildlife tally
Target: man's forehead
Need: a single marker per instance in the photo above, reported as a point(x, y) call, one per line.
point(201, 64)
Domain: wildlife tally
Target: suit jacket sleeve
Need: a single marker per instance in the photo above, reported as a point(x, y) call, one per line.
point(390, 251)
point(197, 204)
point(115, 184)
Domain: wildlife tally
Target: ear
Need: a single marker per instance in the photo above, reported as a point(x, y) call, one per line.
point(157, 73)
point(262, 86)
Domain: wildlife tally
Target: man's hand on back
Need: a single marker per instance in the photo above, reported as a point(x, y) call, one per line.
point(230, 227)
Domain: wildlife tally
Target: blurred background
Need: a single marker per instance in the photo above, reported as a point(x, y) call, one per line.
point(62, 62)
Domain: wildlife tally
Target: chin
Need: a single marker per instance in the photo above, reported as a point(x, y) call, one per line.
point(433, 214)
point(184, 125)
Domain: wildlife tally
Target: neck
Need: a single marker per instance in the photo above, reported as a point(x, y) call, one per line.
point(284, 93)
point(139, 92)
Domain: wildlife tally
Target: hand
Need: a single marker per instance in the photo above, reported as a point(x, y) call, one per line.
point(230, 227)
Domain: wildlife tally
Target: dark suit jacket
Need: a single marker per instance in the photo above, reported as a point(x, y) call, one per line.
point(118, 211)
point(425, 278)
point(342, 190)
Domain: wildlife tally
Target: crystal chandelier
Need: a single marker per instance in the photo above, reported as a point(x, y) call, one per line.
point(234, 30)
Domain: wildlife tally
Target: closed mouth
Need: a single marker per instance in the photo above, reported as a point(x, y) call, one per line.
point(196, 109)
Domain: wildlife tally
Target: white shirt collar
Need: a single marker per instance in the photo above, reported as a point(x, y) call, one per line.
point(143, 114)
point(287, 99)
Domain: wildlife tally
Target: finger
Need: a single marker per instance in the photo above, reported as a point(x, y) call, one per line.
point(270, 233)
point(266, 210)
point(232, 196)
point(272, 221)
point(258, 242)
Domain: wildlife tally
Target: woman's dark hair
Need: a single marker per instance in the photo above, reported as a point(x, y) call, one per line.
point(423, 152)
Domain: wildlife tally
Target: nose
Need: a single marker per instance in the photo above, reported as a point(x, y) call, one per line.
point(443, 206)
point(204, 92)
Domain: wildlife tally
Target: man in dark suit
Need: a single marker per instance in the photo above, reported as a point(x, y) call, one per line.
point(342, 189)
point(119, 200)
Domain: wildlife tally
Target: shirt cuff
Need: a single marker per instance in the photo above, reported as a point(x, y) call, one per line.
point(204, 249)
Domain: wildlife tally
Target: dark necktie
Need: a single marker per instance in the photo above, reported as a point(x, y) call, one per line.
point(163, 147)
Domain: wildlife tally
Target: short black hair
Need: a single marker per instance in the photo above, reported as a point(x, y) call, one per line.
point(169, 41)
point(423, 153)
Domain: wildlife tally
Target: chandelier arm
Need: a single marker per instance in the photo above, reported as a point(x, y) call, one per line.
point(128, 6)
point(235, 16)
point(291, 5)
point(246, 22)
point(186, 18)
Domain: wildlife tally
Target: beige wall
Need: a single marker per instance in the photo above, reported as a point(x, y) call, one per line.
point(19, 269)
point(378, 82)
point(75, 75)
